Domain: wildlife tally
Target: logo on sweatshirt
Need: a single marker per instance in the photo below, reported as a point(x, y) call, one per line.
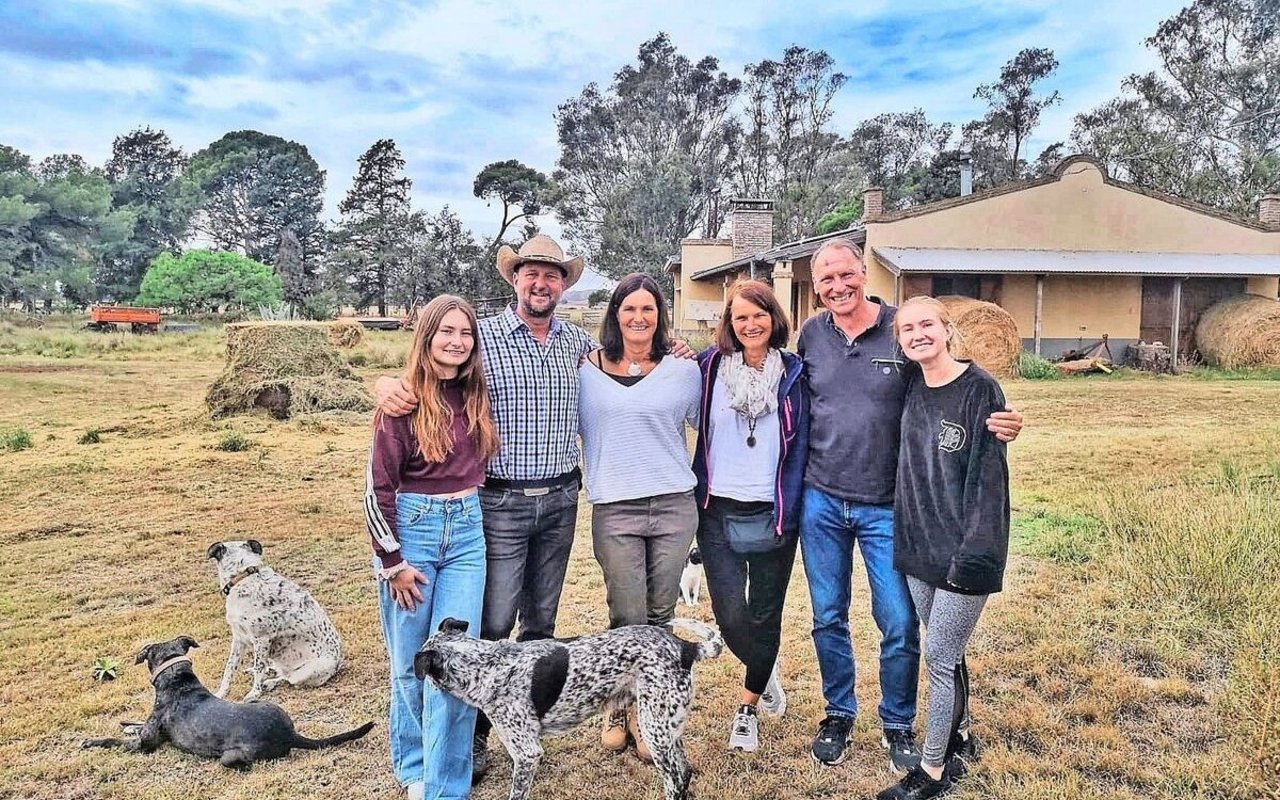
point(951, 438)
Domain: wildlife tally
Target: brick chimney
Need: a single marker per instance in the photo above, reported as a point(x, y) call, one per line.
point(1269, 210)
point(872, 202)
point(752, 222)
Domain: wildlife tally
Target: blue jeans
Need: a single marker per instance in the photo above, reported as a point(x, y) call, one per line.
point(829, 528)
point(430, 730)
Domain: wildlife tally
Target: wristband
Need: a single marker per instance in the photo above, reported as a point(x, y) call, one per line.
point(387, 573)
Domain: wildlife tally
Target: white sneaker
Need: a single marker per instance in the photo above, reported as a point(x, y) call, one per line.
point(774, 699)
point(744, 734)
point(415, 790)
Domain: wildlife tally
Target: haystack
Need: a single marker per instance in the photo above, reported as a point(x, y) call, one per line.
point(988, 334)
point(345, 332)
point(1240, 332)
point(286, 368)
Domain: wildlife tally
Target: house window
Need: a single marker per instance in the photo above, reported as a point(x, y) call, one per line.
point(962, 285)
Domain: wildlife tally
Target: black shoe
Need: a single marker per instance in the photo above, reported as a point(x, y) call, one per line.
point(967, 747)
point(916, 786)
point(904, 753)
point(479, 758)
point(961, 752)
point(832, 739)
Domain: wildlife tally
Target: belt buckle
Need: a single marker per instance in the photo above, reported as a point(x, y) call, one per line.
point(539, 492)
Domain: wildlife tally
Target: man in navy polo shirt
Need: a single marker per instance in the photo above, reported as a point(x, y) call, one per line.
point(857, 382)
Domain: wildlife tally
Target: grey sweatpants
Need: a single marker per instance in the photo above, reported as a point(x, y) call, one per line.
point(949, 620)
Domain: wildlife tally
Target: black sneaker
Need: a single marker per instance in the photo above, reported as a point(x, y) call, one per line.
point(967, 747)
point(904, 753)
point(917, 785)
point(479, 758)
point(961, 752)
point(832, 739)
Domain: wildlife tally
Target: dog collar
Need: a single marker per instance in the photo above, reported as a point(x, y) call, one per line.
point(239, 576)
point(175, 660)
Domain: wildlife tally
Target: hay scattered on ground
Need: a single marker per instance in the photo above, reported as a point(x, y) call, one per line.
point(1241, 332)
point(989, 336)
point(285, 368)
point(345, 333)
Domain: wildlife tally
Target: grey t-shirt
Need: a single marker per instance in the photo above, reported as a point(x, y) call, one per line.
point(856, 390)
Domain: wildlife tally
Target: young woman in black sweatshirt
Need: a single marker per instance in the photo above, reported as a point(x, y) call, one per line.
point(951, 527)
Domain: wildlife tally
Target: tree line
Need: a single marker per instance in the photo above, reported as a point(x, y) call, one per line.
point(646, 160)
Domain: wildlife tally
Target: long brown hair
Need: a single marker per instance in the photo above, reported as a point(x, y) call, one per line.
point(433, 420)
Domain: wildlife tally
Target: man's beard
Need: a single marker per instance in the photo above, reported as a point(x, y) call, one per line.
point(528, 309)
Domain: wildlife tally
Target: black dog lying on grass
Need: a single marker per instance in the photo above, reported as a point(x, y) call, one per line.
point(187, 715)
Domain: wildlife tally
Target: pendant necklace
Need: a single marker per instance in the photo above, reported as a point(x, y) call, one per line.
point(634, 369)
point(751, 432)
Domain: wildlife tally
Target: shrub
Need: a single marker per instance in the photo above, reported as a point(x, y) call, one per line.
point(15, 440)
point(233, 442)
point(1033, 367)
point(91, 436)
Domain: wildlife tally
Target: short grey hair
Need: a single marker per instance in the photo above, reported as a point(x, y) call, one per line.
point(840, 243)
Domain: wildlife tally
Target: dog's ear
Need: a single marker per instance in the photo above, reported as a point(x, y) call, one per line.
point(141, 657)
point(187, 643)
point(216, 550)
point(451, 625)
point(255, 546)
point(425, 663)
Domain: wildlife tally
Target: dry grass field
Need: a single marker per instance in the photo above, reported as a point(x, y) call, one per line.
point(1133, 654)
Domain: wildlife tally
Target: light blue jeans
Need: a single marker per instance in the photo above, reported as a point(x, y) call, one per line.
point(829, 528)
point(430, 730)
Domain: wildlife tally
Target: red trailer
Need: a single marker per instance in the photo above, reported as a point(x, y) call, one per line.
point(109, 318)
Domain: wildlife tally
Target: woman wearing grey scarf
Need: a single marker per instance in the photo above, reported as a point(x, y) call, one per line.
point(749, 461)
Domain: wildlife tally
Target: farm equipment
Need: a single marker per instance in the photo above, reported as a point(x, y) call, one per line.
point(108, 319)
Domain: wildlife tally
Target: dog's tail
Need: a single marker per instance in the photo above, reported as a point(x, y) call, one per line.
point(315, 744)
point(711, 645)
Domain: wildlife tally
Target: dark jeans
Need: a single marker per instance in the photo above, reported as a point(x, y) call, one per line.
point(747, 591)
point(527, 544)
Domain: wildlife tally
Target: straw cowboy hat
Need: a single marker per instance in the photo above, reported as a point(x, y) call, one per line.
point(544, 250)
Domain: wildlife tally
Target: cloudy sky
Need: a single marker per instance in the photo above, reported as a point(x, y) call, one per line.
point(461, 83)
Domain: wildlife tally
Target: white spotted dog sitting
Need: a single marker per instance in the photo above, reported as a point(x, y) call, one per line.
point(290, 633)
point(691, 578)
point(546, 687)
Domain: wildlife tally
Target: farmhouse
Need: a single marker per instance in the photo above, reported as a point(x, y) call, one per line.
point(1071, 256)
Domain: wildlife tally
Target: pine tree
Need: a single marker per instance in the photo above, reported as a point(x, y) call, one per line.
point(373, 240)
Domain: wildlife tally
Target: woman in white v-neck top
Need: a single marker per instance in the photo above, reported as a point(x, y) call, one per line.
point(634, 400)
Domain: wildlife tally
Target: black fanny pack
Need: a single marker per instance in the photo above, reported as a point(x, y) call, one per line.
point(751, 532)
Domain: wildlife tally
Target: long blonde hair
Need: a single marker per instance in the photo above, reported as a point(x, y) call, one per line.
point(954, 340)
point(433, 419)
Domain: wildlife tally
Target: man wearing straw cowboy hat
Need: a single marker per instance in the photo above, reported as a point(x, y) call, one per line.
point(530, 494)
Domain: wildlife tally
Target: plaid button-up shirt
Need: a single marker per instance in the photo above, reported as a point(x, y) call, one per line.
point(533, 392)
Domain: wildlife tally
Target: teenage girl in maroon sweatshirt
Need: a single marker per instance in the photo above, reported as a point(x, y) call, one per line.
point(424, 521)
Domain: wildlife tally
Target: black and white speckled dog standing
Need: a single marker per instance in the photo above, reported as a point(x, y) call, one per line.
point(546, 687)
point(186, 715)
point(289, 631)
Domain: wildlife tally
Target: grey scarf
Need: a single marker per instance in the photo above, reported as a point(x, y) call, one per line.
point(752, 393)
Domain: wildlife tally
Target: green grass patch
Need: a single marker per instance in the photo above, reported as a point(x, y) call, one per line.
point(1207, 373)
point(15, 440)
point(1059, 537)
point(91, 436)
point(1033, 367)
point(233, 442)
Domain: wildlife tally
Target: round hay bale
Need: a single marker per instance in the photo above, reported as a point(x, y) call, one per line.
point(285, 368)
point(345, 333)
point(1240, 332)
point(988, 335)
